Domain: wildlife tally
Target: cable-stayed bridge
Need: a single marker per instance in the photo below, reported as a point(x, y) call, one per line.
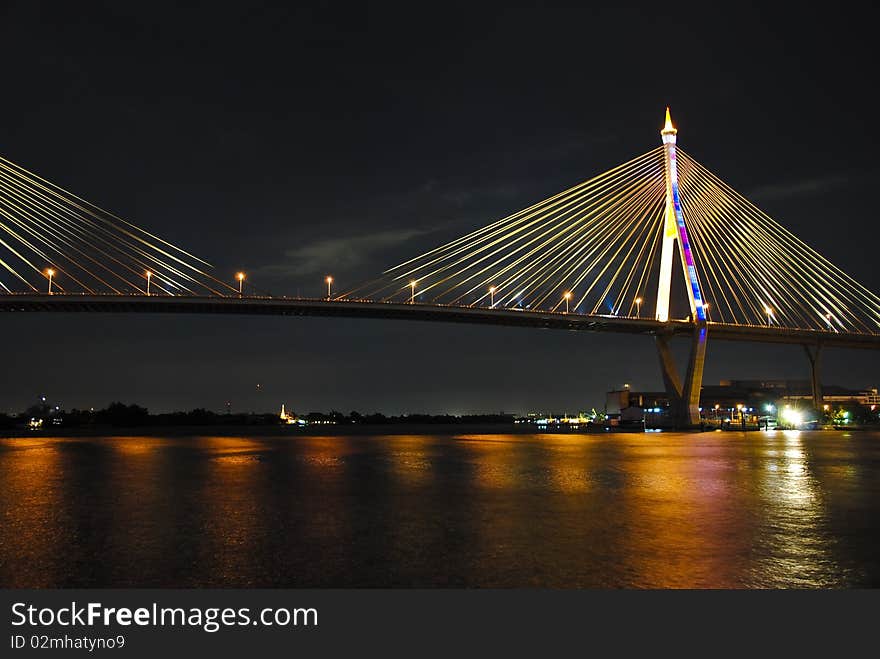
point(658, 246)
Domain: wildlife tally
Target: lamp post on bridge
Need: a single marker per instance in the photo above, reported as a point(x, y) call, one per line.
point(491, 297)
point(412, 294)
point(240, 277)
point(567, 297)
point(149, 277)
point(769, 313)
point(329, 281)
point(638, 307)
point(50, 273)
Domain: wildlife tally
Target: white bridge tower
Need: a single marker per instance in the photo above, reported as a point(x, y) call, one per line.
point(675, 232)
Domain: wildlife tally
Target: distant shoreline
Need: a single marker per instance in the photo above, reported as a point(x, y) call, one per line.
point(447, 429)
point(319, 430)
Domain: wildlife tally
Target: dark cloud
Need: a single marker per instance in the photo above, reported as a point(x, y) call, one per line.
point(334, 254)
point(805, 188)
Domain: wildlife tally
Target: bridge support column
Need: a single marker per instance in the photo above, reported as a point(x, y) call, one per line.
point(684, 397)
point(813, 354)
point(671, 379)
point(694, 380)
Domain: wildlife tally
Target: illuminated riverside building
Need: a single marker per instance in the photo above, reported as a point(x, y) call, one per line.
point(290, 419)
point(556, 420)
point(313, 418)
point(733, 400)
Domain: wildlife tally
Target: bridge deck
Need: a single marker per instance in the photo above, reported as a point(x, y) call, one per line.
point(281, 306)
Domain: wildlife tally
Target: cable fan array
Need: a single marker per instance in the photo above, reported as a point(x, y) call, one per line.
point(46, 231)
point(590, 247)
point(757, 272)
point(595, 249)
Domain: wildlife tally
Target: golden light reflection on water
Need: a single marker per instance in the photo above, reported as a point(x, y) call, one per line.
point(676, 512)
point(31, 532)
point(324, 453)
point(496, 460)
point(135, 446)
point(666, 510)
point(793, 546)
point(230, 523)
point(503, 461)
point(411, 459)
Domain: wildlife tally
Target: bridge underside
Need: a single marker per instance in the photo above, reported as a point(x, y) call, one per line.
point(280, 306)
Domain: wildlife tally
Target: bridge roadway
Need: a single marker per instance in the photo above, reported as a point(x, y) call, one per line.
point(346, 308)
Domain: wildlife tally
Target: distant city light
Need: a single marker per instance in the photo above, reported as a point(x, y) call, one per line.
point(792, 416)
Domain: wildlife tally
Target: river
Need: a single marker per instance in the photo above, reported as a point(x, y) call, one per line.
point(657, 510)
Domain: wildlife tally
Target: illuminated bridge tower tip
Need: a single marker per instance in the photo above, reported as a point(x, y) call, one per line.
point(675, 233)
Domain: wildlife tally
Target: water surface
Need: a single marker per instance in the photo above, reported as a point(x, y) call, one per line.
point(783, 509)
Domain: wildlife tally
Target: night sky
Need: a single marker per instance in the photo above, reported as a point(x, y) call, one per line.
point(293, 142)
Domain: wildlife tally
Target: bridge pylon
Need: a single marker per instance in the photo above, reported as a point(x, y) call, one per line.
point(684, 396)
point(675, 233)
point(814, 354)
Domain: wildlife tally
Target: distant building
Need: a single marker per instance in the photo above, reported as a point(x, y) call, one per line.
point(542, 420)
point(626, 407)
point(757, 393)
point(621, 399)
point(288, 418)
point(746, 401)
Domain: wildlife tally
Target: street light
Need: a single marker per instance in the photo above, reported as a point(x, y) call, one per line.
point(240, 277)
point(329, 281)
point(638, 307)
point(706, 309)
point(492, 296)
point(412, 295)
point(567, 297)
point(50, 273)
point(149, 276)
point(769, 313)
